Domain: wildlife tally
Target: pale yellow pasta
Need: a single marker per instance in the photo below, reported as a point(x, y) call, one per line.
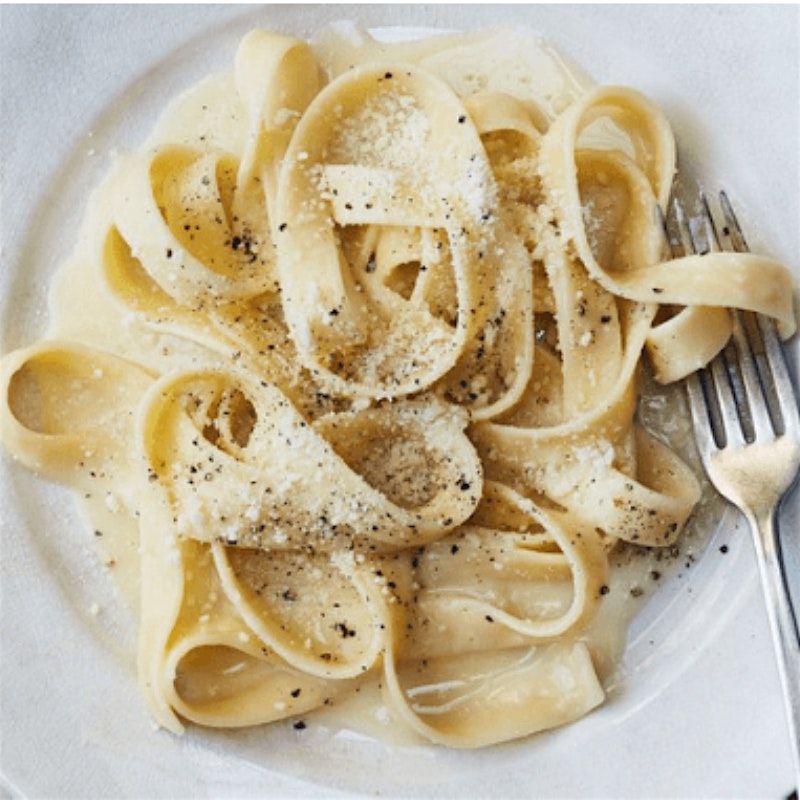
point(364, 370)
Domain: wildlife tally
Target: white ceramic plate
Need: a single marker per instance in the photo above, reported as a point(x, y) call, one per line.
point(699, 713)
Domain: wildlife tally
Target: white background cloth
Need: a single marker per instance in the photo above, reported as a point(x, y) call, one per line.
point(705, 719)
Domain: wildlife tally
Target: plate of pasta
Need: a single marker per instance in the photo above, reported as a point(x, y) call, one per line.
point(362, 372)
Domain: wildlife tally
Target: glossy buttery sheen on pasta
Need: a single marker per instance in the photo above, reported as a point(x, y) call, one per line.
point(349, 352)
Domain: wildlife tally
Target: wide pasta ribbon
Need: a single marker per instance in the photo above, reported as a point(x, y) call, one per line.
point(401, 154)
point(189, 240)
point(478, 699)
point(605, 202)
point(481, 598)
point(322, 614)
point(198, 658)
point(482, 575)
point(580, 463)
point(67, 411)
point(249, 332)
point(241, 465)
point(276, 77)
point(496, 365)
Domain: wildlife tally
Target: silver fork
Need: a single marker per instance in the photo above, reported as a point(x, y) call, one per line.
point(747, 429)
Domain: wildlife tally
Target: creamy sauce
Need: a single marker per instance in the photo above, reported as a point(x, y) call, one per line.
point(211, 115)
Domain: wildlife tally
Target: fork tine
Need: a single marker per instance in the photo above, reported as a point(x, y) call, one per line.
point(747, 389)
point(728, 408)
point(702, 421)
point(784, 391)
point(694, 243)
point(714, 240)
point(775, 380)
point(732, 223)
point(756, 397)
point(714, 382)
point(681, 244)
point(705, 424)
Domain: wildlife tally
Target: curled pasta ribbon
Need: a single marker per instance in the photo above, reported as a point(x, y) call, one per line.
point(422, 167)
point(605, 203)
point(167, 198)
point(276, 77)
point(67, 411)
point(481, 597)
point(172, 210)
point(196, 258)
point(495, 367)
point(234, 455)
point(484, 573)
point(503, 509)
point(321, 615)
point(130, 286)
point(250, 332)
point(482, 698)
point(687, 340)
point(498, 112)
point(248, 329)
point(580, 463)
point(197, 657)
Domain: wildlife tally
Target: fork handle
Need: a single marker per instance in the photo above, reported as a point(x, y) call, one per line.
point(781, 619)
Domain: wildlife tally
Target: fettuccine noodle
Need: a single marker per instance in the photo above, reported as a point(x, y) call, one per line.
point(365, 379)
